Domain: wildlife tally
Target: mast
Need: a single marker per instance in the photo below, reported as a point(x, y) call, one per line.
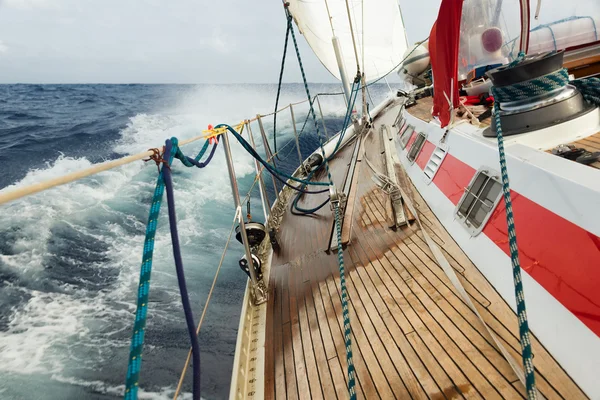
point(338, 57)
point(362, 75)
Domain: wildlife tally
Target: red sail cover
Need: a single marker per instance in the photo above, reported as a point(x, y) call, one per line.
point(443, 50)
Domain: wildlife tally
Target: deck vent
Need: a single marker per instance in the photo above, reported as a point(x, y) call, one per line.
point(406, 136)
point(434, 163)
point(479, 200)
point(416, 147)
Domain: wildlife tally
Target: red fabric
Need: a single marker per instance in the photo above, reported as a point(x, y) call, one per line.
point(443, 50)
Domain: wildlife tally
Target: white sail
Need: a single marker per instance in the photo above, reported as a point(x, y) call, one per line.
point(379, 33)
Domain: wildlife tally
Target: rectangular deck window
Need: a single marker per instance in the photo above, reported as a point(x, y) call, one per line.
point(479, 200)
point(416, 147)
point(406, 136)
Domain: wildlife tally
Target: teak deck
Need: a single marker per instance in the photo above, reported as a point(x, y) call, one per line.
point(412, 334)
point(591, 144)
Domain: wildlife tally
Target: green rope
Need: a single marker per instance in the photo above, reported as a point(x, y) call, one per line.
point(589, 88)
point(137, 339)
point(526, 352)
point(345, 310)
point(533, 87)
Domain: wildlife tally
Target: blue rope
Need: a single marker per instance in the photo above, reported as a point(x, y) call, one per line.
point(590, 89)
point(185, 300)
point(273, 170)
point(164, 181)
point(525, 340)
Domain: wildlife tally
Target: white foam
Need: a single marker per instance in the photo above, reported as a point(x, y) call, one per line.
point(165, 393)
point(51, 329)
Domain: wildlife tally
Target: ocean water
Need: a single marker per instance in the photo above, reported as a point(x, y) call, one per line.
point(70, 257)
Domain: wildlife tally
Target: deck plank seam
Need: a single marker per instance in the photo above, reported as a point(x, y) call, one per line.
point(476, 366)
point(392, 336)
point(425, 327)
point(358, 331)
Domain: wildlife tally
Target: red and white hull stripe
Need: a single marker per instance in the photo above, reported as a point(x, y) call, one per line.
point(556, 206)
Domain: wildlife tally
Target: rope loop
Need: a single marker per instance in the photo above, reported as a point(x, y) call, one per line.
point(532, 88)
point(157, 157)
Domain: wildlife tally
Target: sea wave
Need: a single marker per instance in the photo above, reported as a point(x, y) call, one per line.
point(69, 257)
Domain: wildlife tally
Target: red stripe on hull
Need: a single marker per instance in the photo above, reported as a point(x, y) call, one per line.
point(425, 154)
point(452, 177)
point(561, 256)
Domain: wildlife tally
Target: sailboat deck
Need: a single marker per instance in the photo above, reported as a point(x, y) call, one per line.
point(412, 334)
point(591, 144)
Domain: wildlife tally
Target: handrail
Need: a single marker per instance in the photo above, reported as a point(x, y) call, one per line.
point(15, 194)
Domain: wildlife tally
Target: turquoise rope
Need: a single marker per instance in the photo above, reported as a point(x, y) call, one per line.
point(345, 310)
point(589, 88)
point(533, 87)
point(137, 339)
point(525, 340)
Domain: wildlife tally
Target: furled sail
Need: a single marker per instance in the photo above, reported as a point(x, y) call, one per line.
point(379, 33)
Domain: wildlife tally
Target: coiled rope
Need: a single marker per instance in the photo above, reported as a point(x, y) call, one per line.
point(532, 88)
point(589, 88)
point(164, 182)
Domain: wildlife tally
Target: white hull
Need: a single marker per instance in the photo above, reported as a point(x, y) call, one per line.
point(562, 187)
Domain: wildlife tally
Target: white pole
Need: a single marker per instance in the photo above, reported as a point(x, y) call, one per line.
point(341, 66)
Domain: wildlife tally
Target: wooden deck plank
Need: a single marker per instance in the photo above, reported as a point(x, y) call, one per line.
point(363, 374)
point(454, 362)
point(310, 347)
point(290, 370)
point(590, 143)
point(325, 375)
point(275, 385)
point(411, 370)
point(413, 336)
point(552, 380)
point(299, 365)
point(360, 341)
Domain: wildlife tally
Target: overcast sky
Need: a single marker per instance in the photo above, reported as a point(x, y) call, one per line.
point(159, 41)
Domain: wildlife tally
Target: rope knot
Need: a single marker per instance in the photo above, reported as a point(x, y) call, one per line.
point(157, 157)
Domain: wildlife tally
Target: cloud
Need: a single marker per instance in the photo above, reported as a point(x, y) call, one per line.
point(27, 4)
point(3, 47)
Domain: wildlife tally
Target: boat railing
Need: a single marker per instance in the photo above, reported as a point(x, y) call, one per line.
point(10, 195)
